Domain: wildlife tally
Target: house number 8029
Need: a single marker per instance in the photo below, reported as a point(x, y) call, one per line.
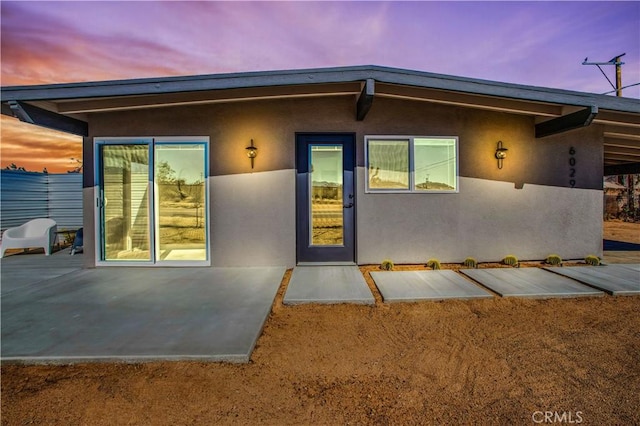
point(572, 169)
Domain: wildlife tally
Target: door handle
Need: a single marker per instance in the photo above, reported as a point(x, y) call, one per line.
point(350, 205)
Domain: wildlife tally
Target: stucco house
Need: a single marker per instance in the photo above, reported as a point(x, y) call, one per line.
point(336, 165)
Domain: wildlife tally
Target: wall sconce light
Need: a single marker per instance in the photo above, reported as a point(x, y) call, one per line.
point(252, 152)
point(501, 154)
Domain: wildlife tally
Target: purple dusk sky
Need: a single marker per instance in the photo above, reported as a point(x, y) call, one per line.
point(534, 43)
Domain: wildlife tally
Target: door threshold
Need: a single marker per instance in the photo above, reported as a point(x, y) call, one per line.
point(326, 264)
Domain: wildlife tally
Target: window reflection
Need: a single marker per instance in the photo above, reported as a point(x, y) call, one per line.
point(327, 222)
point(388, 164)
point(180, 198)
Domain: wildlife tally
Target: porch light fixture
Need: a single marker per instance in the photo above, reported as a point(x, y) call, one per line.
point(501, 154)
point(252, 152)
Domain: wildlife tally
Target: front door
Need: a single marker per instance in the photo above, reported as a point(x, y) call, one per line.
point(325, 197)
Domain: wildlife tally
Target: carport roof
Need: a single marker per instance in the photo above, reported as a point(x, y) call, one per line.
point(65, 106)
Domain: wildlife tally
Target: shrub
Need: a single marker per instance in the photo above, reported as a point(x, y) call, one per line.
point(592, 260)
point(433, 264)
point(386, 265)
point(510, 260)
point(554, 259)
point(470, 262)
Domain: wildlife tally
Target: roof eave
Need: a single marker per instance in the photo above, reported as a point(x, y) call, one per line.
point(165, 85)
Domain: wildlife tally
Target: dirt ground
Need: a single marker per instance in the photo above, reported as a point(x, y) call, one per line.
point(498, 361)
point(618, 230)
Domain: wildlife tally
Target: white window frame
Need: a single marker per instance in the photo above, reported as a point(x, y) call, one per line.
point(411, 189)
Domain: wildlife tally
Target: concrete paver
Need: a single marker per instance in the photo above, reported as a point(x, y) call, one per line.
point(529, 282)
point(411, 286)
point(328, 284)
point(616, 280)
point(137, 314)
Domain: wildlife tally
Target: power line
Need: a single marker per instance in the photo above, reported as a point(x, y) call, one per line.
point(624, 87)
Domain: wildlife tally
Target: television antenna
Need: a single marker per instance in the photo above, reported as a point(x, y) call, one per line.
point(618, 64)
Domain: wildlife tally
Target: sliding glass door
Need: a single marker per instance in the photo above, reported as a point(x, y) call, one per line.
point(179, 175)
point(152, 201)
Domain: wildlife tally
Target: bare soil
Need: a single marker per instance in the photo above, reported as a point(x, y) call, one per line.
point(617, 230)
point(498, 361)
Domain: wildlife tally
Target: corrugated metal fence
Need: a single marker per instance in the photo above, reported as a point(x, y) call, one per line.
point(30, 195)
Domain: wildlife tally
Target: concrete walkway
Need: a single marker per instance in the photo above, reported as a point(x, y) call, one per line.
point(328, 284)
point(529, 282)
point(134, 314)
point(616, 280)
point(413, 286)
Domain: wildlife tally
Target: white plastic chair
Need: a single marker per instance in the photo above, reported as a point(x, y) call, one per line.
point(35, 233)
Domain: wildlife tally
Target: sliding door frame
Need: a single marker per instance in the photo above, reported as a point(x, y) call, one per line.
point(153, 222)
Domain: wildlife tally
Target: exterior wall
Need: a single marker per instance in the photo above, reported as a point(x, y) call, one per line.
point(487, 220)
point(253, 219)
point(527, 208)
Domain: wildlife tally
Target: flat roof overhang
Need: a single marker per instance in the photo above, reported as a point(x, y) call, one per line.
point(66, 106)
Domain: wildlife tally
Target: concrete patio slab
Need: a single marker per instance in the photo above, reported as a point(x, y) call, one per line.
point(328, 284)
point(529, 282)
point(413, 286)
point(616, 280)
point(20, 270)
point(633, 266)
point(139, 314)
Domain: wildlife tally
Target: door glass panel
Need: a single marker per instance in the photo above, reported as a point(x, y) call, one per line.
point(179, 177)
point(125, 215)
point(327, 222)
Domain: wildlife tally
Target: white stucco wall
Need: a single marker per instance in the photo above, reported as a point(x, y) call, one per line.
point(89, 237)
point(253, 219)
point(486, 220)
point(252, 211)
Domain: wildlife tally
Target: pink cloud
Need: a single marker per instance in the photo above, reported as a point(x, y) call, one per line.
point(536, 43)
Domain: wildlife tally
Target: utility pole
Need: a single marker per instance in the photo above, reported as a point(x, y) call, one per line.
point(618, 64)
point(616, 61)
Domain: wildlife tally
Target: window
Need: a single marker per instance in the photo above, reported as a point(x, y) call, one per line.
point(412, 164)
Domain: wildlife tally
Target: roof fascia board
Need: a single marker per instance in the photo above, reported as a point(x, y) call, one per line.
point(505, 90)
point(322, 75)
point(156, 86)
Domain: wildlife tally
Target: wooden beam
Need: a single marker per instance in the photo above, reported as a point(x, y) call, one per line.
point(6, 110)
point(365, 100)
point(205, 97)
point(618, 150)
point(567, 122)
point(466, 100)
point(622, 169)
point(42, 117)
